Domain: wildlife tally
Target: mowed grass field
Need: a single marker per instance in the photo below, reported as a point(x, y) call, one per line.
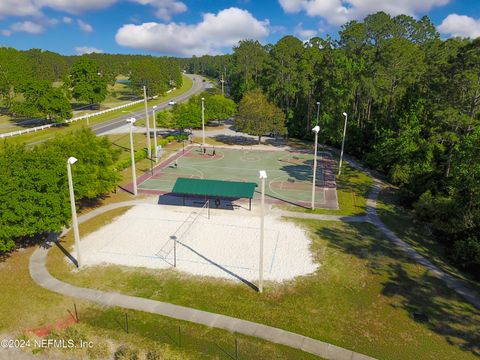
point(361, 298)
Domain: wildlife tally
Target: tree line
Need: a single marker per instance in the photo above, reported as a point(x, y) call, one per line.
point(41, 84)
point(413, 104)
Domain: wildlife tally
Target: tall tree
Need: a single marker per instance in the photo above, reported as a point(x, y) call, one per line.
point(86, 82)
point(257, 116)
point(41, 99)
point(249, 58)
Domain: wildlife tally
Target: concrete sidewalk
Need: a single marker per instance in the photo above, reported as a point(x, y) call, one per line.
point(42, 277)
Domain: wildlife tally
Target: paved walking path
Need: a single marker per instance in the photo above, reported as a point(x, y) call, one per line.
point(453, 283)
point(42, 277)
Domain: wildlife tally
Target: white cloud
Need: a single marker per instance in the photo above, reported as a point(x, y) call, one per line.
point(460, 25)
point(6, 32)
point(214, 33)
point(80, 50)
point(18, 8)
point(84, 26)
point(67, 20)
point(34, 7)
point(304, 34)
point(28, 27)
point(74, 6)
point(165, 8)
point(338, 12)
point(52, 22)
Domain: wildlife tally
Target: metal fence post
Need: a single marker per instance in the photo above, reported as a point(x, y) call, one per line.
point(76, 313)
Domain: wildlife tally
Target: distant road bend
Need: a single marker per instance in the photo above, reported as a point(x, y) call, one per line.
point(197, 87)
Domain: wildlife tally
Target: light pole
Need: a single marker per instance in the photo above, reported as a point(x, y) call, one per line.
point(316, 129)
point(203, 122)
point(70, 162)
point(155, 133)
point(134, 175)
point(147, 120)
point(343, 143)
point(263, 175)
point(318, 111)
point(222, 81)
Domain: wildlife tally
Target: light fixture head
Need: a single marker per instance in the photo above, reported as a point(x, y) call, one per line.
point(318, 102)
point(345, 114)
point(262, 174)
point(203, 99)
point(154, 107)
point(316, 129)
point(72, 160)
point(131, 120)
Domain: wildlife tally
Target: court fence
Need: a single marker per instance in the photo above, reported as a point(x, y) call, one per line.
point(165, 332)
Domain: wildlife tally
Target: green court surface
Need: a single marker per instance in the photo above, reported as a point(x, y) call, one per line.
point(289, 173)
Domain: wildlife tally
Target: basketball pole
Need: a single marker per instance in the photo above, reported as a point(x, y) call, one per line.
point(316, 129)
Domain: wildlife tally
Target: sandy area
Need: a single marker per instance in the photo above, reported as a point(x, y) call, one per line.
point(225, 246)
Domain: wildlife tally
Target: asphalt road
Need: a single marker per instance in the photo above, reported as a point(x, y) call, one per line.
point(106, 126)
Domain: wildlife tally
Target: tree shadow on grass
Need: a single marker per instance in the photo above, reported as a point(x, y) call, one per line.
point(448, 314)
point(236, 140)
point(410, 286)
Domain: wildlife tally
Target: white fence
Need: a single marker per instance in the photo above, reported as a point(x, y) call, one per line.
point(43, 127)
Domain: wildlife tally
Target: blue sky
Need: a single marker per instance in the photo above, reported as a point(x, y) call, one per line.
point(188, 27)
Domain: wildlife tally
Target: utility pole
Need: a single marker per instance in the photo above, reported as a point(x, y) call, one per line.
point(343, 143)
point(76, 234)
point(222, 81)
point(203, 123)
point(132, 152)
point(316, 130)
point(147, 120)
point(263, 175)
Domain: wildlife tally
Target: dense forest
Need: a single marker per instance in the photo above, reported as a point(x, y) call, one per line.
point(413, 104)
point(41, 84)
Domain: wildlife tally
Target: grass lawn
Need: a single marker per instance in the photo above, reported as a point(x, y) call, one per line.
point(168, 338)
point(23, 304)
point(360, 298)
point(417, 235)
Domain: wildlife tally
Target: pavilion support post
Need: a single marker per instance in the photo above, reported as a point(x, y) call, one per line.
point(250, 205)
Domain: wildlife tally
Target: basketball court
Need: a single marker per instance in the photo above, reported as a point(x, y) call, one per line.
point(290, 174)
